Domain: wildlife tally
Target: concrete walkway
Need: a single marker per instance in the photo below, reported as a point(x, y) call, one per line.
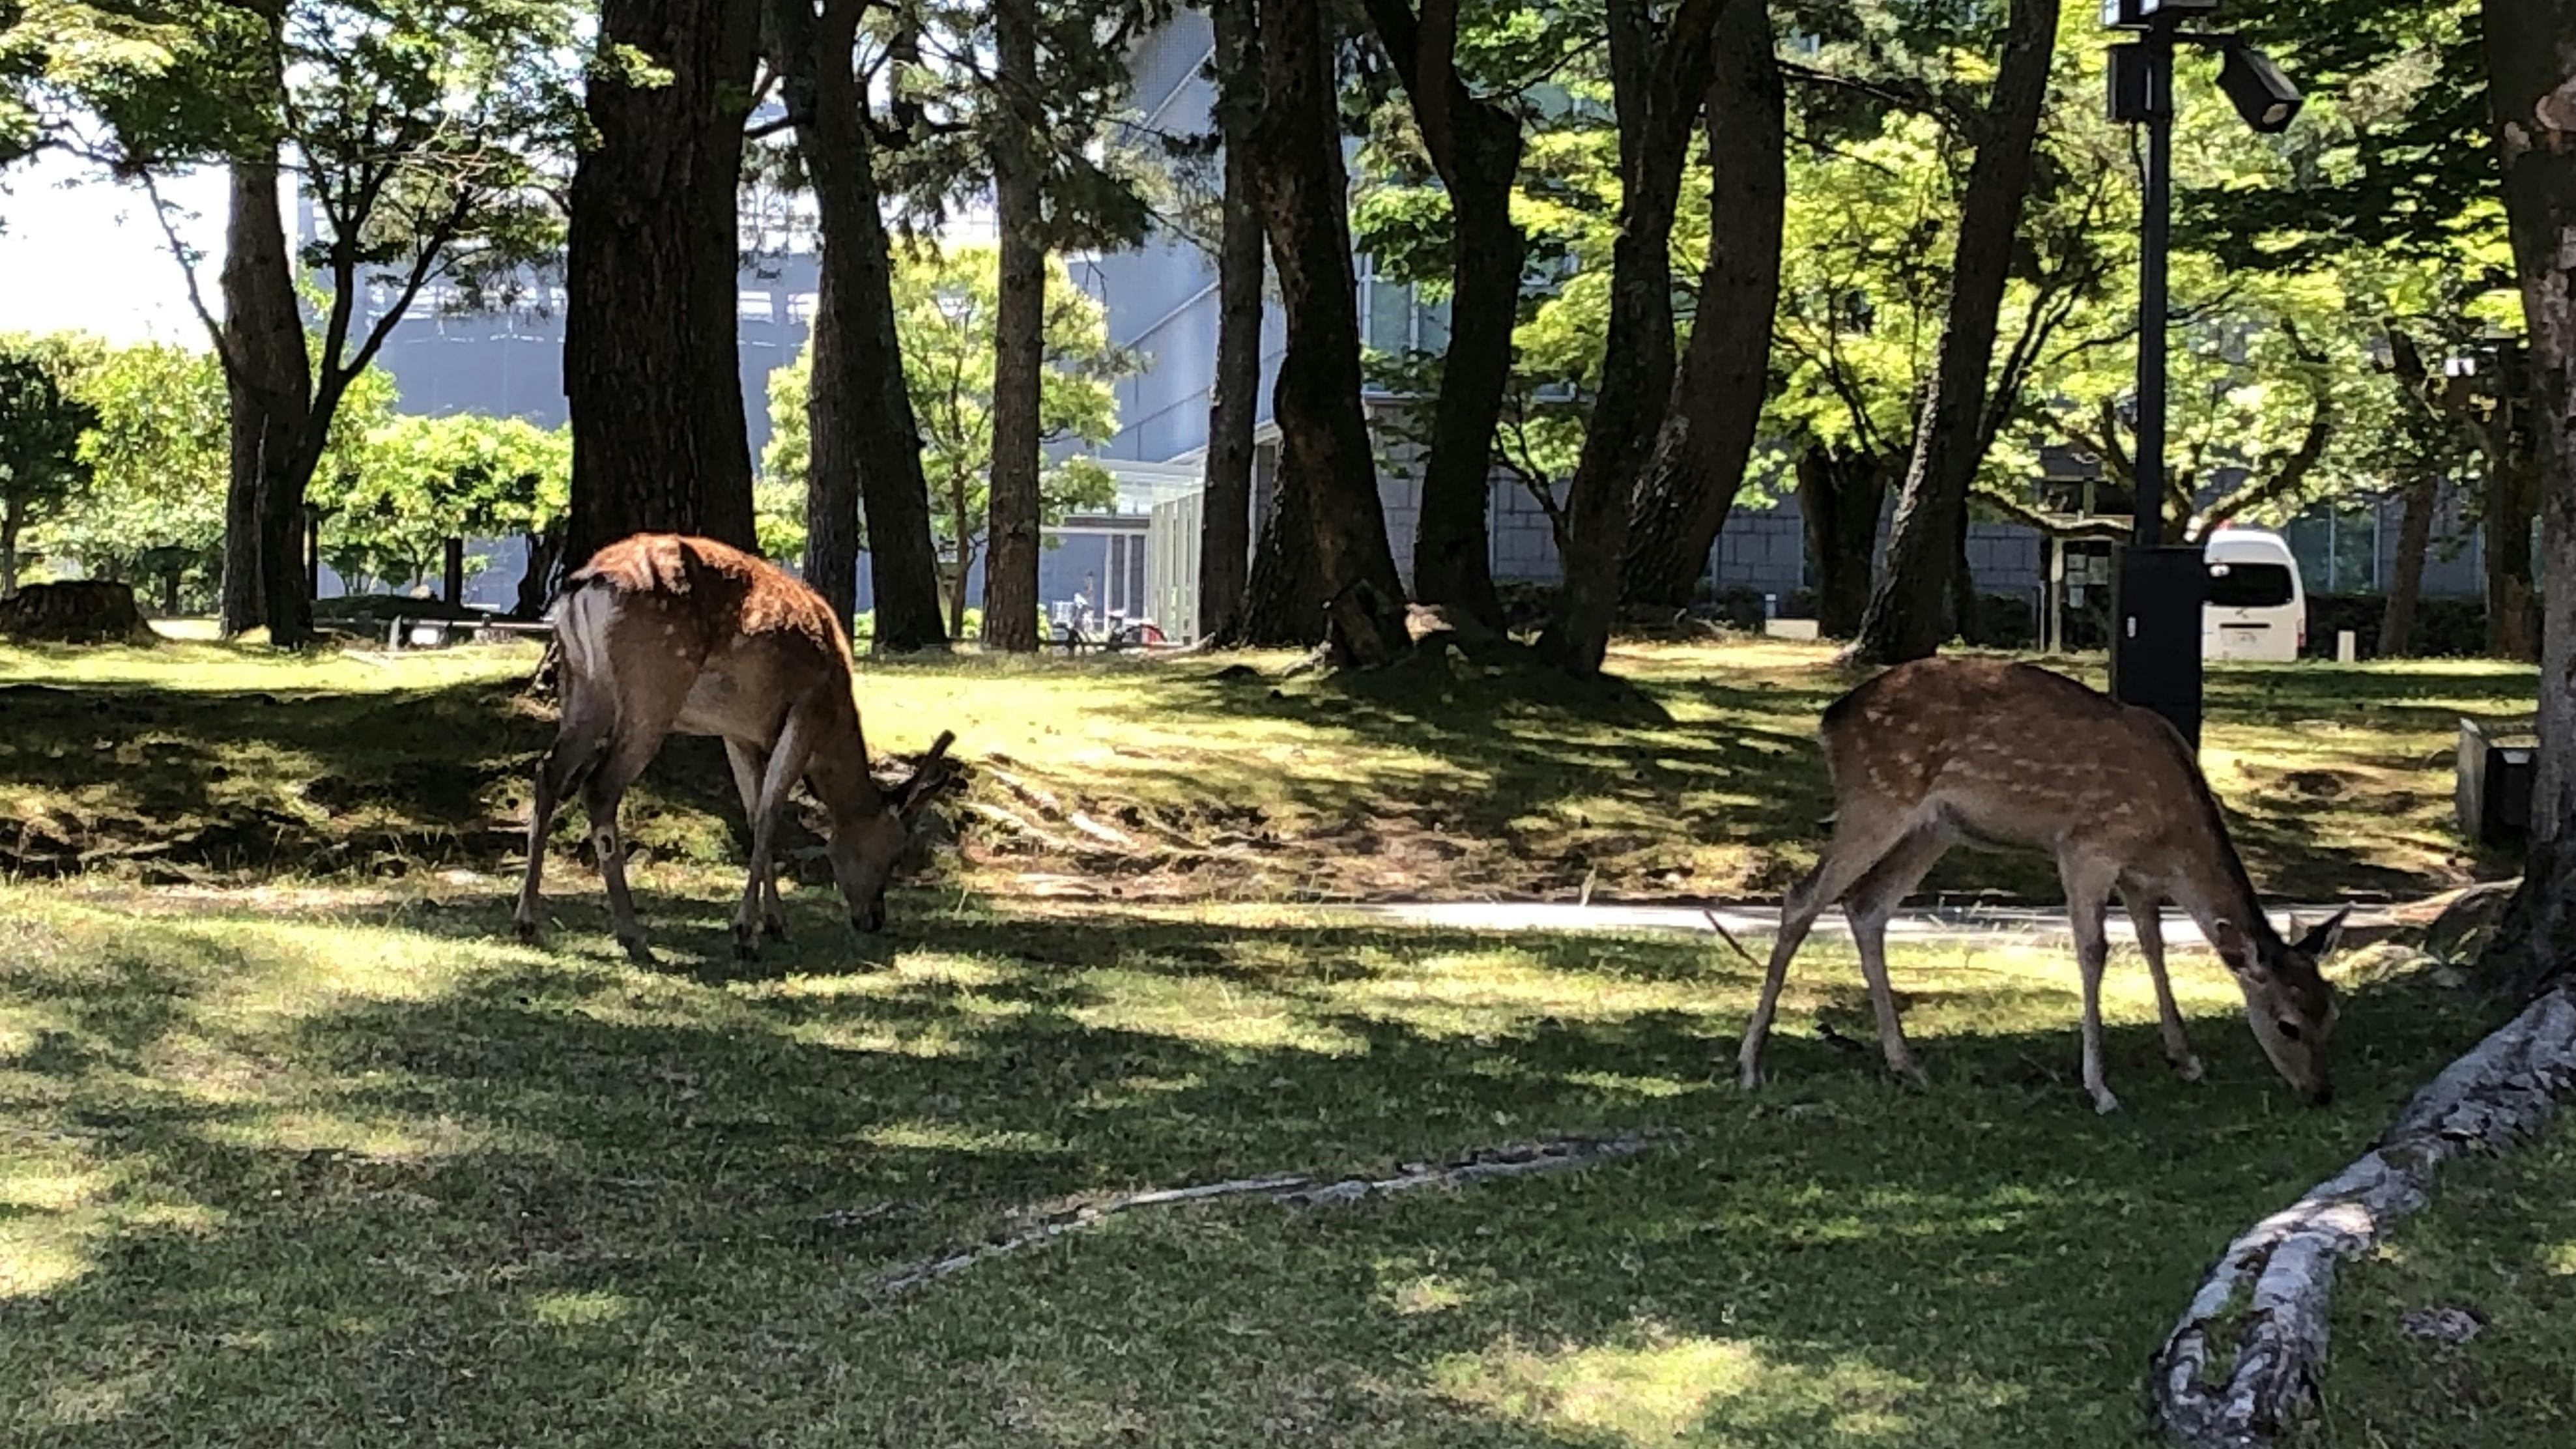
point(1925, 925)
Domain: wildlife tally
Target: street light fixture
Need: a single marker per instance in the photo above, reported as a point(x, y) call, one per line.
point(2155, 646)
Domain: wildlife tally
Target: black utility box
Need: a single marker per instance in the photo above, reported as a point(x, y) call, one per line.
point(2155, 634)
point(2493, 793)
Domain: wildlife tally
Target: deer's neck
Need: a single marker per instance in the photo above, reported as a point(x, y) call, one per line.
point(838, 768)
point(2211, 886)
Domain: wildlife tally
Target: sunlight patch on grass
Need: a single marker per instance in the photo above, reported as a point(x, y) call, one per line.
point(1207, 1010)
point(576, 1309)
point(1661, 1387)
point(951, 1137)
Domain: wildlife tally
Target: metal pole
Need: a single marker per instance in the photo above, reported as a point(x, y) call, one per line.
point(2153, 225)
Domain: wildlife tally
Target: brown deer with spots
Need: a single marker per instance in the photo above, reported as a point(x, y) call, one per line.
point(1938, 750)
point(661, 633)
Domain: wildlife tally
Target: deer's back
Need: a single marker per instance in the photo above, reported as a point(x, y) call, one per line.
point(673, 602)
point(2010, 752)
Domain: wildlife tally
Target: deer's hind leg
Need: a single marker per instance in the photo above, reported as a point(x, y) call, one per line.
point(1868, 906)
point(579, 740)
point(2145, 910)
point(2088, 901)
point(1861, 840)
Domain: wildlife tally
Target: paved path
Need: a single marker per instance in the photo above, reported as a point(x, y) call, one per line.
point(1927, 924)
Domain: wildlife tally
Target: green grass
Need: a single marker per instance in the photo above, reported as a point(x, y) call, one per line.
point(327, 1166)
point(2500, 1242)
point(1198, 779)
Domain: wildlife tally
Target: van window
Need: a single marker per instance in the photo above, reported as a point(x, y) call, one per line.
point(2249, 585)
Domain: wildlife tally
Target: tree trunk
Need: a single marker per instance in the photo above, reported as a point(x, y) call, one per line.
point(1476, 147)
point(1840, 496)
point(2414, 541)
point(1963, 587)
point(1698, 462)
point(452, 582)
point(1283, 600)
point(1658, 83)
point(536, 585)
point(10, 518)
point(269, 380)
point(2533, 72)
point(652, 373)
point(1225, 525)
point(858, 401)
point(1905, 619)
point(961, 520)
point(2513, 496)
point(1019, 324)
point(1323, 434)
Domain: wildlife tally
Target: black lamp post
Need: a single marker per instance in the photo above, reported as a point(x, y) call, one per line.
point(2155, 642)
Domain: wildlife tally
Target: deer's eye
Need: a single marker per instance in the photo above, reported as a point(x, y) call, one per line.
point(2289, 1028)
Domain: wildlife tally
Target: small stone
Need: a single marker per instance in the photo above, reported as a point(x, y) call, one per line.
point(2445, 1325)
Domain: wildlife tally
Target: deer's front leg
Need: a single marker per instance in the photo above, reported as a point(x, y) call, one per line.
point(2146, 914)
point(2086, 905)
point(750, 769)
point(786, 766)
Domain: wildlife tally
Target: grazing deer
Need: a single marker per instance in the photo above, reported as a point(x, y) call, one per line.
point(660, 633)
point(1940, 749)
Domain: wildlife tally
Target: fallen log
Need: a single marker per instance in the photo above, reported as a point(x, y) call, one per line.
point(2243, 1366)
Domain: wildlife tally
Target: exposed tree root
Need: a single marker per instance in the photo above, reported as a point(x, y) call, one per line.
point(1292, 1189)
point(2242, 1367)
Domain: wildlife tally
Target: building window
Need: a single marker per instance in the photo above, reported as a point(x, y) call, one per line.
point(2337, 549)
point(1394, 317)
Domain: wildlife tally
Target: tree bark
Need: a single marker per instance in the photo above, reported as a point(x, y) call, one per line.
point(1475, 145)
point(1840, 496)
point(1283, 600)
point(536, 583)
point(1697, 466)
point(860, 413)
point(1019, 324)
point(269, 379)
point(1963, 586)
point(9, 524)
point(1906, 618)
point(1323, 434)
point(1658, 82)
point(2533, 75)
point(2414, 541)
point(452, 580)
point(2513, 496)
point(652, 371)
point(1225, 523)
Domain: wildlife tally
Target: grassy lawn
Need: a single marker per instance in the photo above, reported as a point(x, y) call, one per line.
point(321, 1165)
point(1194, 779)
point(2499, 1243)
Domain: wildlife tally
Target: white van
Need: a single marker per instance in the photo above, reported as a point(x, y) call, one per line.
point(2256, 607)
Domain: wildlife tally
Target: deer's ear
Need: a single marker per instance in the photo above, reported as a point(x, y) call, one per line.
point(2235, 948)
point(931, 776)
point(2321, 938)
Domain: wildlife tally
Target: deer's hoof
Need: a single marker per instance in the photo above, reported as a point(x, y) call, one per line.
point(2105, 1103)
point(775, 928)
point(639, 953)
point(1748, 1077)
point(2188, 1067)
point(528, 933)
point(1913, 1075)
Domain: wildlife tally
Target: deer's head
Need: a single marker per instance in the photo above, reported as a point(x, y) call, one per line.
point(2287, 1000)
point(867, 843)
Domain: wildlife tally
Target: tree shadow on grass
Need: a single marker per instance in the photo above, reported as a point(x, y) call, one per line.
point(345, 1182)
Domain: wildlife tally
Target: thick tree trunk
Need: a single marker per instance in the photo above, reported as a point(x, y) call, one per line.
point(651, 369)
point(270, 381)
point(1019, 322)
point(1283, 600)
point(1323, 434)
point(1225, 524)
point(1906, 617)
point(2513, 496)
point(1659, 82)
point(831, 454)
point(1840, 496)
point(2533, 73)
point(858, 400)
point(1698, 462)
point(10, 518)
point(1476, 147)
point(536, 585)
point(2414, 541)
point(452, 580)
